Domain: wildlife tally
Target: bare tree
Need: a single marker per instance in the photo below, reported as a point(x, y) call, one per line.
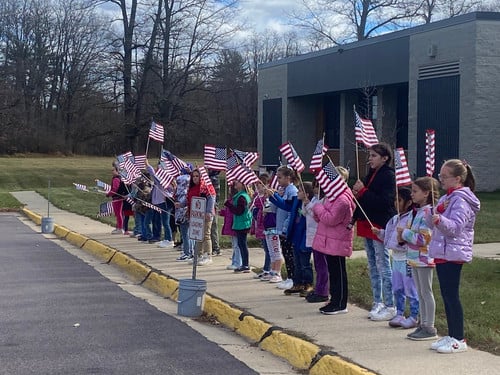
point(431, 10)
point(336, 22)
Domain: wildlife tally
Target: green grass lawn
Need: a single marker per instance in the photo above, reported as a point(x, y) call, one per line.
point(480, 289)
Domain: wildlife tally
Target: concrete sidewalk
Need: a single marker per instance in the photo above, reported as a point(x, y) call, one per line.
point(352, 337)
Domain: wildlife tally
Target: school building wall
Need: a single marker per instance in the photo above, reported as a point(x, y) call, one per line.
point(457, 61)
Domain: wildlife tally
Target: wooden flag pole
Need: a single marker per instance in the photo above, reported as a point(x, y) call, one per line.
point(319, 187)
point(356, 144)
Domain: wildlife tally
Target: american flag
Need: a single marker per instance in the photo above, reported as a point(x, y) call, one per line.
point(364, 131)
point(164, 178)
point(156, 132)
point(247, 158)
point(331, 181)
point(215, 157)
point(127, 177)
point(124, 157)
point(274, 184)
point(80, 187)
point(132, 171)
point(244, 175)
point(140, 161)
point(292, 157)
point(402, 173)
point(169, 168)
point(430, 151)
point(231, 163)
point(206, 180)
point(317, 157)
point(104, 186)
point(105, 209)
point(176, 162)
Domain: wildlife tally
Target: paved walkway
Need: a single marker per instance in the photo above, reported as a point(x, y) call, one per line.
point(371, 345)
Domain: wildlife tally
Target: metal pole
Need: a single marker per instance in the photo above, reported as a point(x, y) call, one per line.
point(48, 200)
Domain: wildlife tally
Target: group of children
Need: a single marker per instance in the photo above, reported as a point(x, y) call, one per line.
point(424, 233)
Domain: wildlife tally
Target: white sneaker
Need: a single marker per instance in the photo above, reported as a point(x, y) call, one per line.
point(204, 260)
point(166, 243)
point(453, 346)
point(285, 284)
point(117, 231)
point(376, 307)
point(442, 341)
point(231, 267)
point(273, 279)
point(387, 313)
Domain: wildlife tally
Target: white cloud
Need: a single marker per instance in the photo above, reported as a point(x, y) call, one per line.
point(263, 15)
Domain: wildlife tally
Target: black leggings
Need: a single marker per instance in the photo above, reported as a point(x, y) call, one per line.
point(287, 250)
point(449, 283)
point(338, 281)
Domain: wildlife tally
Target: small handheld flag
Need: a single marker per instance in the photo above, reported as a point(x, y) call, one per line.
point(364, 131)
point(156, 132)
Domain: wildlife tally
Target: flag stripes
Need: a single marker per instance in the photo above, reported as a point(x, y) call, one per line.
point(215, 157)
point(430, 152)
point(364, 131)
point(156, 132)
point(292, 157)
point(403, 177)
point(331, 181)
point(317, 157)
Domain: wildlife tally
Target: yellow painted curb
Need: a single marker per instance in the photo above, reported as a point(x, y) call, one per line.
point(227, 315)
point(76, 239)
point(161, 285)
point(60, 231)
point(99, 250)
point(37, 219)
point(253, 328)
point(136, 270)
point(329, 364)
point(299, 353)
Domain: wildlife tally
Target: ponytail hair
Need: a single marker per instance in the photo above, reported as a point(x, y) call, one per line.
point(460, 168)
point(287, 172)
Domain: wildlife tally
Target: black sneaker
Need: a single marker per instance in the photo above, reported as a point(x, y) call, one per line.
point(153, 240)
point(242, 269)
point(216, 253)
point(330, 309)
point(316, 298)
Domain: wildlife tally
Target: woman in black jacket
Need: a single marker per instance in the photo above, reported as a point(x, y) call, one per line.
point(376, 195)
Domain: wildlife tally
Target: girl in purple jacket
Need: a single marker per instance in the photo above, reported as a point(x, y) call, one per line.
point(451, 245)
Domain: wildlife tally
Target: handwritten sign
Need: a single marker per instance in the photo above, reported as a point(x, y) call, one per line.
point(197, 218)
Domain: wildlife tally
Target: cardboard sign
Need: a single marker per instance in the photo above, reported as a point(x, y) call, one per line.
point(197, 218)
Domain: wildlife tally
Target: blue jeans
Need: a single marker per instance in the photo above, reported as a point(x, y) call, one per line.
point(236, 257)
point(137, 223)
point(187, 244)
point(267, 257)
point(303, 273)
point(380, 271)
point(148, 222)
point(163, 220)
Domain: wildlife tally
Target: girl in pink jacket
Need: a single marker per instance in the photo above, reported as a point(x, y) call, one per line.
point(334, 238)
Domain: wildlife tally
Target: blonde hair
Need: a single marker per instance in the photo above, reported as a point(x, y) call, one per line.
point(462, 169)
point(343, 172)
